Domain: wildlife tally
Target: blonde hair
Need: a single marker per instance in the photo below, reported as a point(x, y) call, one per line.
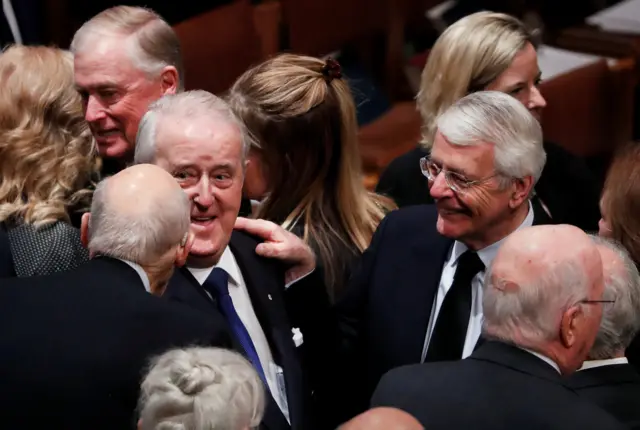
point(467, 57)
point(154, 46)
point(201, 388)
point(305, 123)
point(47, 152)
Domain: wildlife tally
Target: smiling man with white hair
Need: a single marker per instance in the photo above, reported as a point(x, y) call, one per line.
point(196, 137)
point(125, 58)
point(417, 294)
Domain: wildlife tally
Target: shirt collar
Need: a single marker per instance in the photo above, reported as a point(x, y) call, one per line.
point(488, 253)
point(608, 362)
point(140, 271)
point(544, 358)
point(227, 262)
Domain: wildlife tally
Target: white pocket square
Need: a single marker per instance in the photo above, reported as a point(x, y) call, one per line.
point(297, 336)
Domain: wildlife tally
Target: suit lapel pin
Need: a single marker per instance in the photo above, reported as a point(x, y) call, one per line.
point(269, 295)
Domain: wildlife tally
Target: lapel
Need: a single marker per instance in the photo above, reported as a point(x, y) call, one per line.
point(184, 288)
point(517, 359)
point(265, 283)
point(420, 278)
point(604, 375)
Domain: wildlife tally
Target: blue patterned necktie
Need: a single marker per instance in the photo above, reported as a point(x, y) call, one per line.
point(217, 284)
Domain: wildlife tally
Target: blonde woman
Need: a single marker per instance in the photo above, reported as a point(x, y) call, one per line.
point(491, 51)
point(305, 165)
point(47, 161)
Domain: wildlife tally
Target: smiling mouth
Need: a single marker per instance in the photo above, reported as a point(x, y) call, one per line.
point(203, 221)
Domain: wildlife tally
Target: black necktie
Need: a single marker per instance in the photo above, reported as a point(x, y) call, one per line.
point(450, 331)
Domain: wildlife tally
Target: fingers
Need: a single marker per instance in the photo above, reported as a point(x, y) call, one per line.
point(257, 227)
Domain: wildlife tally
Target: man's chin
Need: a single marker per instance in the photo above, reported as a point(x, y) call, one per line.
point(204, 256)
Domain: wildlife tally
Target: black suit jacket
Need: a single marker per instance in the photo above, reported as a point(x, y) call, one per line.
point(264, 279)
point(498, 387)
point(6, 259)
point(566, 186)
point(385, 312)
point(75, 345)
point(615, 388)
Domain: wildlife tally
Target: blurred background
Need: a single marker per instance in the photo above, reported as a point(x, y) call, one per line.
point(589, 51)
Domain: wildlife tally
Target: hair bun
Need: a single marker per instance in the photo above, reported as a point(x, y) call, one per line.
point(195, 379)
point(331, 70)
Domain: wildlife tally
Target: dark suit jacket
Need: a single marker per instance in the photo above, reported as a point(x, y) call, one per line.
point(75, 345)
point(386, 309)
point(6, 259)
point(265, 282)
point(498, 387)
point(615, 388)
point(566, 186)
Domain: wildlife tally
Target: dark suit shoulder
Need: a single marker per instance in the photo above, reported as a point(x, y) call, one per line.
point(459, 395)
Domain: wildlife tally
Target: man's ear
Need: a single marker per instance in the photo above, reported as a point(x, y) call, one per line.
point(522, 190)
point(84, 229)
point(169, 80)
point(183, 249)
point(569, 326)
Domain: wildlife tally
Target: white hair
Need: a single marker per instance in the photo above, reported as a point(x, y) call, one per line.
point(620, 322)
point(201, 389)
point(150, 42)
point(497, 118)
point(142, 238)
point(531, 313)
point(189, 105)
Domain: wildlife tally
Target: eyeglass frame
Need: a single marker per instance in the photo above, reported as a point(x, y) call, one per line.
point(468, 183)
point(593, 302)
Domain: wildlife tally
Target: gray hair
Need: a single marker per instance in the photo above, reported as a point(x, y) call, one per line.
point(620, 322)
point(152, 44)
point(186, 105)
point(142, 238)
point(532, 312)
point(201, 388)
point(497, 118)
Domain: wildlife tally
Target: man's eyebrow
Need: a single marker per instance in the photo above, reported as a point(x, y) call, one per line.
point(450, 169)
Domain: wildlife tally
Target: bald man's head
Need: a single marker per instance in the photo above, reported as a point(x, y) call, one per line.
point(620, 323)
point(139, 215)
point(383, 419)
point(542, 293)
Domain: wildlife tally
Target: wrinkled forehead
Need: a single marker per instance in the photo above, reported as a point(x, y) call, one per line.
point(184, 139)
point(104, 58)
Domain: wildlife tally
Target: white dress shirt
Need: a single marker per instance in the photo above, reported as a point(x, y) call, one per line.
point(243, 306)
point(474, 329)
point(589, 364)
point(544, 358)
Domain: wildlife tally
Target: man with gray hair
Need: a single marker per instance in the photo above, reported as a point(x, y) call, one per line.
point(417, 294)
point(606, 378)
point(196, 137)
point(79, 341)
point(542, 307)
point(125, 58)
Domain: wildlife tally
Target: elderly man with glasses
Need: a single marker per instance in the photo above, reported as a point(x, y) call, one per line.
point(417, 295)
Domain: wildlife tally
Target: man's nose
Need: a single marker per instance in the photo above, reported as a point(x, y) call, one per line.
point(439, 187)
point(94, 111)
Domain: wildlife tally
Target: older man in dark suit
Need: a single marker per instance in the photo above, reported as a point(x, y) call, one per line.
point(75, 344)
point(606, 378)
point(542, 306)
point(196, 137)
point(417, 294)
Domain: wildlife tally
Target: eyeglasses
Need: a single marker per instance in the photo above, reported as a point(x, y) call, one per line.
point(455, 181)
point(596, 301)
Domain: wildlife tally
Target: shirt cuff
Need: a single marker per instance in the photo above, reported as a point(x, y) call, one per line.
point(288, 284)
